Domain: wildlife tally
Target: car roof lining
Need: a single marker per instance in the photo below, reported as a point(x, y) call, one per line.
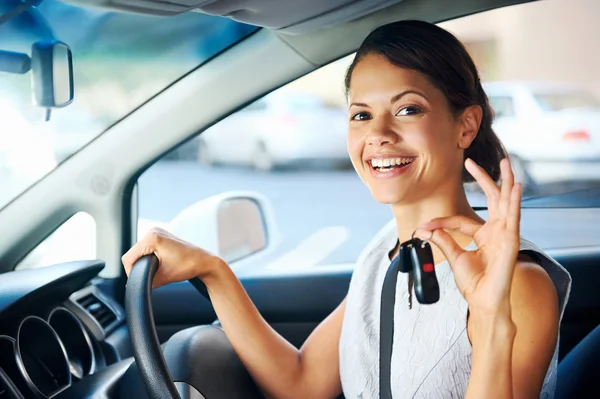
point(319, 46)
point(291, 16)
point(320, 31)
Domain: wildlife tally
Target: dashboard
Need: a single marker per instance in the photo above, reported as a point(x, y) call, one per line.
point(58, 332)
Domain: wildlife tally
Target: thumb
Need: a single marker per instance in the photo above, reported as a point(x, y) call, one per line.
point(135, 253)
point(443, 241)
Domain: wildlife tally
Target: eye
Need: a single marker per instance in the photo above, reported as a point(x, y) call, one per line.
point(410, 110)
point(361, 116)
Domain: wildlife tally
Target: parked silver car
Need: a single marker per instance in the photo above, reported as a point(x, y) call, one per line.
point(282, 128)
point(550, 130)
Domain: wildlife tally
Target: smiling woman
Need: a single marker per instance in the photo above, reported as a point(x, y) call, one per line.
point(419, 126)
point(415, 94)
point(476, 307)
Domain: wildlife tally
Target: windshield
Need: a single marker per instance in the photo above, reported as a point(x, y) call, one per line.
point(119, 60)
point(564, 101)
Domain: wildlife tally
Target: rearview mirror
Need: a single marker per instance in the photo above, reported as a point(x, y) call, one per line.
point(52, 74)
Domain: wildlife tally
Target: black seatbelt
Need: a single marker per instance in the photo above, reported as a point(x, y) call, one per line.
point(386, 327)
point(414, 257)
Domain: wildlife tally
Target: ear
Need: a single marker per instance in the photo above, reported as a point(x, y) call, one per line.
point(470, 120)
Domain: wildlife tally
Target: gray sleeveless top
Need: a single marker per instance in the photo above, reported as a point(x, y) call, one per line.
point(431, 349)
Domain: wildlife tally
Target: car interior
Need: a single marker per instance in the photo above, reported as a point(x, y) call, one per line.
point(81, 328)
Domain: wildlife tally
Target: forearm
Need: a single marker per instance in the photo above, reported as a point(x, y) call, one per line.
point(491, 368)
point(272, 361)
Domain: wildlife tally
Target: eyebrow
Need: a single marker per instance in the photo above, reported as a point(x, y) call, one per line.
point(395, 98)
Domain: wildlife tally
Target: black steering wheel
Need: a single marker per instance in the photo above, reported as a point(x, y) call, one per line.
point(140, 320)
point(197, 359)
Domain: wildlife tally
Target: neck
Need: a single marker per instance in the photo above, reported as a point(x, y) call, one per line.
point(441, 203)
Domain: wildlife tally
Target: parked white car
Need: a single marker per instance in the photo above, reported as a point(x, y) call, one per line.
point(282, 128)
point(550, 130)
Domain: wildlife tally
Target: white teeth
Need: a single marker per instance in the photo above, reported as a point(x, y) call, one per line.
point(385, 163)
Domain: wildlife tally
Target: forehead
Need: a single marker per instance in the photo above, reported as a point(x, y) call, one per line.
point(375, 76)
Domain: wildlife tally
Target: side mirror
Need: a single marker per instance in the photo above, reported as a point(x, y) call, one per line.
point(233, 225)
point(52, 74)
point(241, 228)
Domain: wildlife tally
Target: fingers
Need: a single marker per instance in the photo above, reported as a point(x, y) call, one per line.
point(506, 188)
point(444, 242)
point(489, 187)
point(146, 246)
point(132, 256)
point(514, 209)
point(460, 223)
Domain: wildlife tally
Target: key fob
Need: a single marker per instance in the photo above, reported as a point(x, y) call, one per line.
point(404, 257)
point(427, 289)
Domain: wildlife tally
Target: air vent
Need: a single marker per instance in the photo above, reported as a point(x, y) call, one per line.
point(98, 309)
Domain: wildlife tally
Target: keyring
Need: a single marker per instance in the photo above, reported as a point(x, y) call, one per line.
point(412, 236)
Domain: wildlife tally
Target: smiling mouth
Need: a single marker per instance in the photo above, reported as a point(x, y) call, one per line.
point(390, 164)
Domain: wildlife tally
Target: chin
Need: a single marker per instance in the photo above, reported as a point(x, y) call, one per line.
point(391, 191)
point(389, 197)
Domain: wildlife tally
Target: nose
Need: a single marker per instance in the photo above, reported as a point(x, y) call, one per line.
point(381, 133)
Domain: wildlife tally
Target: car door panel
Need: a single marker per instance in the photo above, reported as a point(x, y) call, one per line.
point(582, 313)
point(293, 303)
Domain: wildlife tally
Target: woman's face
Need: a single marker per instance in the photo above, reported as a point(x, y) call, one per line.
point(403, 140)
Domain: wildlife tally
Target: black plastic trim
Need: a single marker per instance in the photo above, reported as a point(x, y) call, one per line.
point(90, 321)
point(76, 327)
point(59, 351)
point(102, 384)
point(12, 389)
point(24, 291)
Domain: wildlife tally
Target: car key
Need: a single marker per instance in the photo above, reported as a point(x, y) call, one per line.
point(404, 257)
point(427, 289)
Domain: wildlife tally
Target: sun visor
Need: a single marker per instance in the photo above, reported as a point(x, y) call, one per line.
point(289, 16)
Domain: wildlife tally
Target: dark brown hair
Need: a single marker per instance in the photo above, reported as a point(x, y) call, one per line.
point(440, 56)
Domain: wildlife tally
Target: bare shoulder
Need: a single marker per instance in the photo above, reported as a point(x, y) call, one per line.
point(533, 290)
point(535, 312)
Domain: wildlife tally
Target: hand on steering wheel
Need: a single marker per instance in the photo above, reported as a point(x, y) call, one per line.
point(178, 259)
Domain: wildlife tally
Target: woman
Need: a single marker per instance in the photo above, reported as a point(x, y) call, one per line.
point(417, 111)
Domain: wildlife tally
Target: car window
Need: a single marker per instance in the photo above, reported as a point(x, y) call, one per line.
point(259, 105)
point(551, 102)
point(502, 105)
point(298, 162)
point(120, 60)
point(303, 102)
point(74, 240)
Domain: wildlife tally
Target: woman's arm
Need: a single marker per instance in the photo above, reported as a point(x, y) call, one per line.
point(278, 368)
point(512, 352)
point(513, 308)
point(491, 370)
